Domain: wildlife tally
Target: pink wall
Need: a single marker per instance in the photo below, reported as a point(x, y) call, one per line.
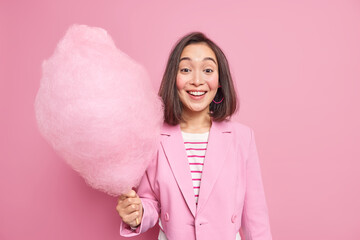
point(297, 67)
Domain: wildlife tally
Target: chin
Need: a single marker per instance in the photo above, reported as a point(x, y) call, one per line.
point(199, 109)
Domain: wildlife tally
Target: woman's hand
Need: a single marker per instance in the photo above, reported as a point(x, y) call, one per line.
point(130, 208)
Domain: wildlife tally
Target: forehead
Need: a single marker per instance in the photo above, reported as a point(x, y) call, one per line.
point(198, 51)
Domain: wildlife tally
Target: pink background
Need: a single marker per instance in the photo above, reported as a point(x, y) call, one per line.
point(297, 68)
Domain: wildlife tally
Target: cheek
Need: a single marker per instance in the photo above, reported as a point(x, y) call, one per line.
point(213, 82)
point(180, 82)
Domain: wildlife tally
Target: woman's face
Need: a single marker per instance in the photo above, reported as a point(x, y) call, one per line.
point(198, 78)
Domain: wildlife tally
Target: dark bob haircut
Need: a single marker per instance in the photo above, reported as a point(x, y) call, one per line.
point(168, 90)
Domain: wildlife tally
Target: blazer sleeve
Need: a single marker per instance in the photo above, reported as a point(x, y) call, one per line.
point(150, 203)
point(255, 220)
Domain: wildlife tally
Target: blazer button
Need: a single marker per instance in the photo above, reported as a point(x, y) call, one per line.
point(166, 217)
point(233, 218)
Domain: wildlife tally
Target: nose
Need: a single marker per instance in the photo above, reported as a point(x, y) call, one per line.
point(197, 78)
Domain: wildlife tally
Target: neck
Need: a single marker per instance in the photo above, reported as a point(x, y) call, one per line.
point(195, 122)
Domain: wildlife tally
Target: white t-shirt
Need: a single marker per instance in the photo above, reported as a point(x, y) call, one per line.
point(195, 146)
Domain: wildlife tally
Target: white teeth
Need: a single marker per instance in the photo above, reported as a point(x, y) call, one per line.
point(197, 93)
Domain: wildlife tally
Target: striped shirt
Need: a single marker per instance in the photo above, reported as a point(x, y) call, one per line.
point(195, 146)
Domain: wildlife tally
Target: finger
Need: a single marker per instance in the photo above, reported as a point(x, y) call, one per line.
point(130, 201)
point(131, 194)
point(136, 222)
point(132, 208)
point(130, 218)
point(128, 210)
point(122, 197)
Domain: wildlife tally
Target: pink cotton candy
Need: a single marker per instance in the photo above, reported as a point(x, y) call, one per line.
point(98, 110)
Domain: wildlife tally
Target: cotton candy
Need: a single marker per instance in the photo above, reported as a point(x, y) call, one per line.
point(98, 110)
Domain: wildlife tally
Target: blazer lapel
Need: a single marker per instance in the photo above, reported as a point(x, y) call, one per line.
point(174, 150)
point(216, 153)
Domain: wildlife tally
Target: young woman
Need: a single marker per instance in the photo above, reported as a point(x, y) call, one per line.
point(205, 182)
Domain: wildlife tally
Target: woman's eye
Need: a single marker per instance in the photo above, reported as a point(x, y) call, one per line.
point(185, 70)
point(208, 70)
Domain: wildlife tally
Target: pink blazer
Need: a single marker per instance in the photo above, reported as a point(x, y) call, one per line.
point(231, 197)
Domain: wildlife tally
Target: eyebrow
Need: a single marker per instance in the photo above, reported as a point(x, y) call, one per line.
point(207, 58)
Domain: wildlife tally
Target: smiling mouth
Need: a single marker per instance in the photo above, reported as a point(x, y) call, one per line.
point(196, 93)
